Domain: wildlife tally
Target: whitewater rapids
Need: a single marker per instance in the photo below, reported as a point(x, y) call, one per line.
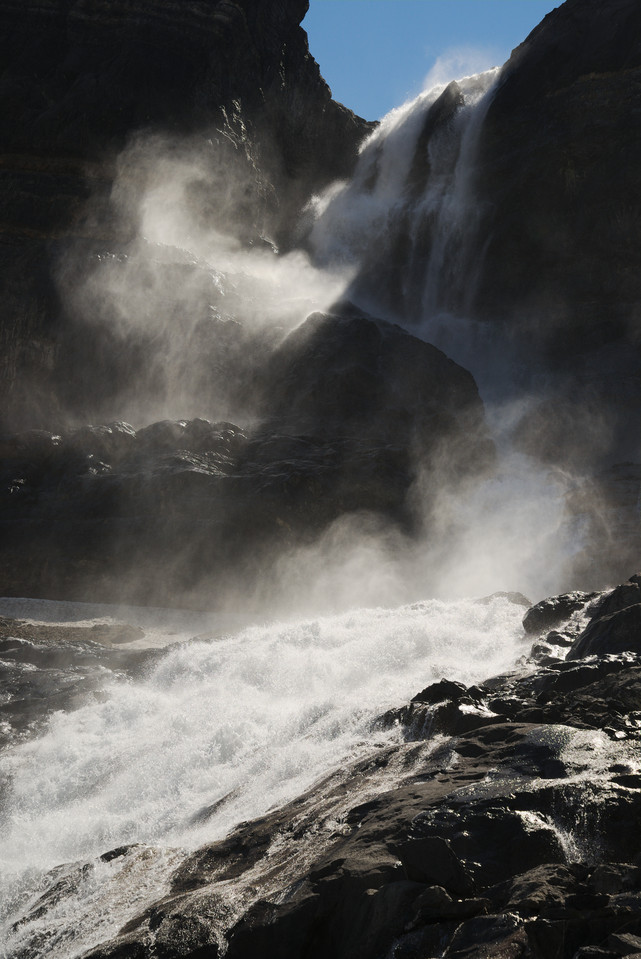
point(247, 720)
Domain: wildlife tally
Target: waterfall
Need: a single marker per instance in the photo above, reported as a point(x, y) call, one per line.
point(218, 729)
point(408, 220)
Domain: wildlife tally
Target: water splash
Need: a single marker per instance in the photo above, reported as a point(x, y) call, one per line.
point(220, 731)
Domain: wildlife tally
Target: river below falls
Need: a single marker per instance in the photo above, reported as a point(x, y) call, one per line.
point(195, 727)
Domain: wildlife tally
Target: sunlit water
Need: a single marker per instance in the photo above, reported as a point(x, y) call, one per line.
point(257, 717)
point(225, 726)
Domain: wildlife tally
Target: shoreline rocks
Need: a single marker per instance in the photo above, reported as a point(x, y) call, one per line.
point(507, 826)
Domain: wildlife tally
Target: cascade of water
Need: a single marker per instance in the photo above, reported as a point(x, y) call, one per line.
point(217, 732)
point(450, 277)
point(408, 217)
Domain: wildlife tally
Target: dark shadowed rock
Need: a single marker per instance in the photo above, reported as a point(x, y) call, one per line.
point(582, 61)
point(347, 373)
point(614, 633)
point(554, 611)
point(227, 84)
point(353, 408)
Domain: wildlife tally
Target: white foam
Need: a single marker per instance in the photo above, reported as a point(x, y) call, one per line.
point(257, 716)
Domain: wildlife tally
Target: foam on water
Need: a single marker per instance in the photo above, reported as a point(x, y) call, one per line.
point(255, 717)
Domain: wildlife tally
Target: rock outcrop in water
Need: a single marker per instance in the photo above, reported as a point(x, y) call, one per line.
point(503, 823)
point(351, 408)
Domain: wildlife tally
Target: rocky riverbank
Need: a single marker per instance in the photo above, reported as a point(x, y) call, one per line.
point(504, 822)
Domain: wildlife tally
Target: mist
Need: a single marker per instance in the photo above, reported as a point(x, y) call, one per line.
point(196, 300)
point(195, 294)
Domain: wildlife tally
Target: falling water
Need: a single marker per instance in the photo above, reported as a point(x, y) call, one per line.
point(220, 729)
point(410, 208)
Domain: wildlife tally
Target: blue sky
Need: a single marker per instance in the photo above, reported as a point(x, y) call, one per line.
point(375, 54)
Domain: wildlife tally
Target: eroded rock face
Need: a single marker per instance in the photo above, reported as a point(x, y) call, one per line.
point(514, 834)
point(221, 83)
point(575, 80)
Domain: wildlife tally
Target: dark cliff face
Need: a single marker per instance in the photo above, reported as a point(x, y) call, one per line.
point(560, 154)
point(559, 158)
point(78, 79)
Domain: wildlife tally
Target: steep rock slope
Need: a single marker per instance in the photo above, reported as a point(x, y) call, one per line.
point(559, 155)
point(78, 79)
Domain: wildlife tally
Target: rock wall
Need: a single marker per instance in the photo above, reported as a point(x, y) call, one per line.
point(561, 272)
point(77, 80)
point(178, 511)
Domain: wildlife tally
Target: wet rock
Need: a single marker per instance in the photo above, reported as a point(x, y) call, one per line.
point(430, 859)
point(483, 846)
point(111, 442)
point(628, 594)
point(440, 692)
point(552, 612)
point(614, 633)
point(624, 943)
point(487, 936)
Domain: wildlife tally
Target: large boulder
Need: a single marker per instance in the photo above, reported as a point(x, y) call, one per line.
point(615, 627)
point(354, 410)
point(348, 374)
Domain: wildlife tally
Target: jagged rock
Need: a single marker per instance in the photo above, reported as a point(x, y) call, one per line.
point(430, 859)
point(554, 611)
point(441, 691)
point(487, 936)
point(454, 855)
point(628, 594)
point(614, 625)
point(616, 633)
